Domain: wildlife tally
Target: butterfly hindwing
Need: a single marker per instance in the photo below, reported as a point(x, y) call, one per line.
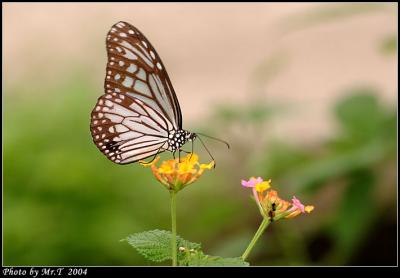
point(127, 130)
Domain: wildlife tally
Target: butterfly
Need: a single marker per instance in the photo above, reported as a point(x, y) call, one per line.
point(139, 115)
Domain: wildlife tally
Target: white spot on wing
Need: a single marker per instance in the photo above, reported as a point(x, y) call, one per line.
point(120, 110)
point(128, 54)
point(128, 81)
point(142, 87)
point(137, 108)
point(121, 128)
point(132, 68)
point(114, 118)
point(137, 52)
point(129, 135)
point(130, 145)
point(141, 74)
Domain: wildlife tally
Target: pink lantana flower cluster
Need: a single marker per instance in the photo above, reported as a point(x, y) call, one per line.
point(270, 205)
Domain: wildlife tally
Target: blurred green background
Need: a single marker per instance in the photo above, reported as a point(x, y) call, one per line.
point(312, 107)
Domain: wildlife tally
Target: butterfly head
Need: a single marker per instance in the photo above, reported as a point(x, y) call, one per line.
point(190, 136)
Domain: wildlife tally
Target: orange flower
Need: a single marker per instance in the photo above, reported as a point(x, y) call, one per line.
point(175, 175)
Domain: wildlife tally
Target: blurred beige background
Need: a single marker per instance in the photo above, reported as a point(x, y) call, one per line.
point(222, 52)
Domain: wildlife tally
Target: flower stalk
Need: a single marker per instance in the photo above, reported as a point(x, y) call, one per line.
point(272, 208)
point(173, 228)
point(264, 224)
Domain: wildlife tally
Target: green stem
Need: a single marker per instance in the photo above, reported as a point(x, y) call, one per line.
point(264, 224)
point(173, 220)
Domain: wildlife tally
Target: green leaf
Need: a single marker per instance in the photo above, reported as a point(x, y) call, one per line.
point(360, 113)
point(389, 45)
point(198, 258)
point(355, 216)
point(155, 245)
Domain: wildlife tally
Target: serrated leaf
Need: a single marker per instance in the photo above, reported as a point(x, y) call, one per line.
point(218, 261)
point(155, 245)
point(198, 258)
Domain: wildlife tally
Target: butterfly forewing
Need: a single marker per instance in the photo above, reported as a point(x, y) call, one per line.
point(139, 109)
point(134, 65)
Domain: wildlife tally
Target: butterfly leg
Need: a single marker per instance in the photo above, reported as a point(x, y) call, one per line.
point(154, 157)
point(192, 150)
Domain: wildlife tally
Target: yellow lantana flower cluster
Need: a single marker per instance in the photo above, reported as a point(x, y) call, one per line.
point(176, 175)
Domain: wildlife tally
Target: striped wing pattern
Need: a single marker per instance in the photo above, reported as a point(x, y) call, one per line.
point(139, 109)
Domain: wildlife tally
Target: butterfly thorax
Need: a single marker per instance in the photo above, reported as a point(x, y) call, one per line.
point(178, 138)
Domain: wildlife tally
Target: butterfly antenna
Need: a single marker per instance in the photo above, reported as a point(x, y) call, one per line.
point(214, 138)
point(201, 141)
